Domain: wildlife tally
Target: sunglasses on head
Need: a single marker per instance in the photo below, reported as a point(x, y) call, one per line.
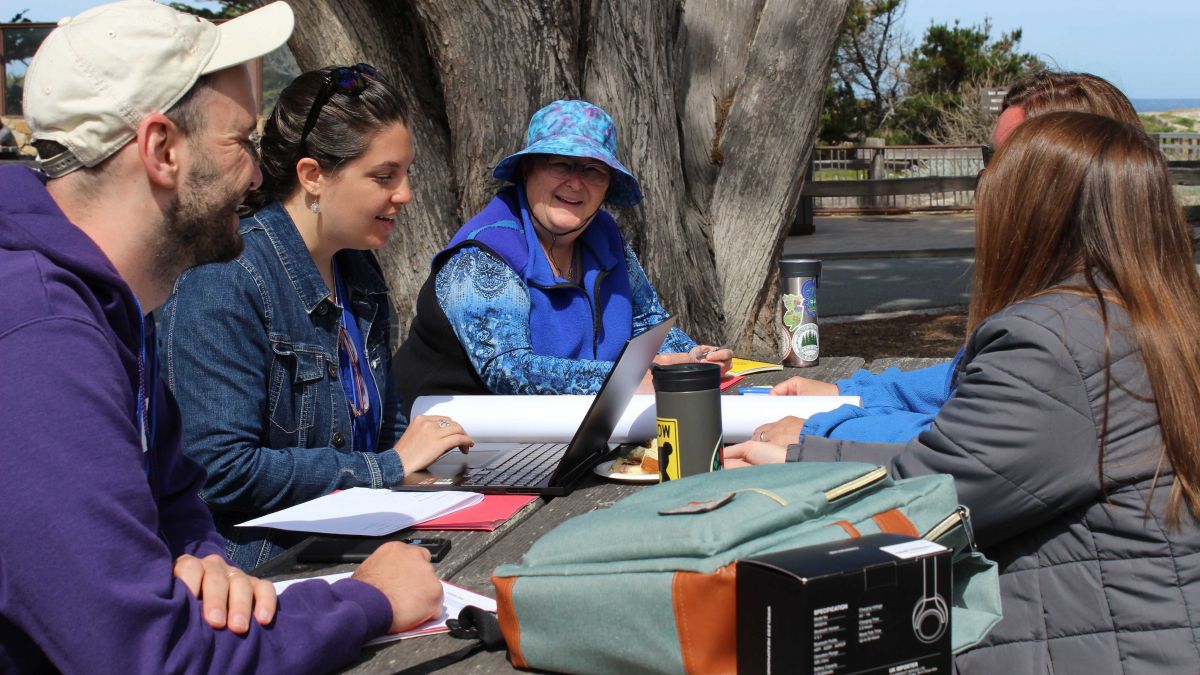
point(348, 80)
point(987, 151)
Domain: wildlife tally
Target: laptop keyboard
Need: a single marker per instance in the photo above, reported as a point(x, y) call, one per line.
point(528, 465)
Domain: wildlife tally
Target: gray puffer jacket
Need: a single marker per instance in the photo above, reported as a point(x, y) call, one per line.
point(1091, 581)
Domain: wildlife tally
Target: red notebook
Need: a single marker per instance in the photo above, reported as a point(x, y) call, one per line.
point(487, 515)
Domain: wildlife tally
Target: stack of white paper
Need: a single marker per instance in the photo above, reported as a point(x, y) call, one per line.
point(366, 512)
point(453, 601)
point(554, 419)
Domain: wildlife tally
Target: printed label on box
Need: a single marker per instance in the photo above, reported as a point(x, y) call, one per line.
point(912, 549)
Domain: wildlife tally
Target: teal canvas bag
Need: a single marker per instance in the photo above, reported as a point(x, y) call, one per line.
point(648, 585)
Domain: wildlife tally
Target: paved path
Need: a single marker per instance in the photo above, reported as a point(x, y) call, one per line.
point(865, 237)
point(889, 264)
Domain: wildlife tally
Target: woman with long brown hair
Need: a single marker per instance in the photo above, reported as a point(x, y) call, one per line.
point(1073, 433)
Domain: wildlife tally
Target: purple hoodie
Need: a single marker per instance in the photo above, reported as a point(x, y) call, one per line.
point(89, 527)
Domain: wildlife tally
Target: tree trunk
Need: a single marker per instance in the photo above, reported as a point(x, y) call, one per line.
point(716, 104)
point(633, 73)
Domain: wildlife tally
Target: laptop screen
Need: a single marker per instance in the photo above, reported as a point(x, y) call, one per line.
point(590, 442)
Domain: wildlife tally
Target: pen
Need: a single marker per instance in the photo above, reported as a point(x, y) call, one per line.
point(754, 390)
point(705, 352)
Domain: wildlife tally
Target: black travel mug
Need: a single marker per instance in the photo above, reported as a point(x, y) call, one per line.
point(687, 399)
point(798, 315)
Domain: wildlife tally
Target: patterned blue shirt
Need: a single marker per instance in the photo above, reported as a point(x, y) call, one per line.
point(488, 306)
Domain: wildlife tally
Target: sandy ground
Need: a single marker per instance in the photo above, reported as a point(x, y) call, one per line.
point(1186, 113)
point(925, 335)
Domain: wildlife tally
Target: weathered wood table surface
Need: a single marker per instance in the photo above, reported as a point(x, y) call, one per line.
point(473, 555)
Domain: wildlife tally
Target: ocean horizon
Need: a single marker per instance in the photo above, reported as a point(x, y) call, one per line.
point(1145, 105)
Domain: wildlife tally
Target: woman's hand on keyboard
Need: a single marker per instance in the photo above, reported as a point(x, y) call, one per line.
point(429, 437)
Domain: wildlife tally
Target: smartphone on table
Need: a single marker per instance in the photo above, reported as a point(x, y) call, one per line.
point(356, 549)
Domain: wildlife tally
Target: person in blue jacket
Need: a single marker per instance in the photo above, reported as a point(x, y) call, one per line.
point(897, 405)
point(538, 292)
point(281, 359)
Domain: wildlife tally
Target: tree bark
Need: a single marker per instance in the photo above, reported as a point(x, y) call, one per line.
point(499, 61)
point(632, 73)
point(766, 145)
point(716, 104)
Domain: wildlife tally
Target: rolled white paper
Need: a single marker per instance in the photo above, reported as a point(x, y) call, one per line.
point(538, 419)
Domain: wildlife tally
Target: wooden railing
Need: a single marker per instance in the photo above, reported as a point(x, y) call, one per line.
point(894, 178)
point(879, 179)
point(1179, 147)
point(1187, 172)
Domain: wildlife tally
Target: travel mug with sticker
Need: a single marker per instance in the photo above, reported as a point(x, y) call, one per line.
point(798, 318)
point(687, 398)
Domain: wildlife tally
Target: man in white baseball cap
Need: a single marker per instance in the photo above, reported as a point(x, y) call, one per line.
point(144, 119)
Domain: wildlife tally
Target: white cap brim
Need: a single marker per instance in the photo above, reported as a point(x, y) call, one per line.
point(251, 35)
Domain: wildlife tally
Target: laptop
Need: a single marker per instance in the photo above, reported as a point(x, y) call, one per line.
point(548, 468)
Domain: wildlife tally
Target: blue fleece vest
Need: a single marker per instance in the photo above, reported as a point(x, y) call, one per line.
point(591, 320)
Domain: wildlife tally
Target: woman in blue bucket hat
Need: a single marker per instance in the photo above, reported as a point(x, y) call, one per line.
point(538, 292)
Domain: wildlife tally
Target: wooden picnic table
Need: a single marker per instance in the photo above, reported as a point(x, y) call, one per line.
point(474, 554)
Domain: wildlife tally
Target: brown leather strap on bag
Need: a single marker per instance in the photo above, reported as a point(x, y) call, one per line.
point(706, 618)
point(895, 522)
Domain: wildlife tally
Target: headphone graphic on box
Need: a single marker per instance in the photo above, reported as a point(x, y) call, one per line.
point(930, 616)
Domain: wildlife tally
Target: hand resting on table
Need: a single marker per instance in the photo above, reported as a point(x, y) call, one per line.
point(226, 593)
point(403, 573)
point(753, 453)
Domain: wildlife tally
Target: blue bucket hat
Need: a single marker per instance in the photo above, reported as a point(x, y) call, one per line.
point(575, 129)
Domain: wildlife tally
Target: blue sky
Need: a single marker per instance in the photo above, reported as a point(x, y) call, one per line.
point(1150, 49)
point(53, 10)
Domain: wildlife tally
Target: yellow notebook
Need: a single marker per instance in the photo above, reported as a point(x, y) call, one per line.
point(747, 367)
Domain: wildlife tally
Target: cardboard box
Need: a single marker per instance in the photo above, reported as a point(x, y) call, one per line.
point(875, 604)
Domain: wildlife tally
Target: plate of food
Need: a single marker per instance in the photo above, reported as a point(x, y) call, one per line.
point(633, 464)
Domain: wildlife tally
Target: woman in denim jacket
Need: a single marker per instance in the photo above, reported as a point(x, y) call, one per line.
point(281, 359)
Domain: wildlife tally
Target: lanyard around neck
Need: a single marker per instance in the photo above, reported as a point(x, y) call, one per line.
point(144, 389)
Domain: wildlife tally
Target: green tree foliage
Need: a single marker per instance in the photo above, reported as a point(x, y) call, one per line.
point(881, 86)
point(947, 69)
point(20, 44)
point(841, 116)
point(867, 81)
point(229, 9)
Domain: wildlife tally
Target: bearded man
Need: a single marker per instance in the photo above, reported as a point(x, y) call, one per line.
point(144, 122)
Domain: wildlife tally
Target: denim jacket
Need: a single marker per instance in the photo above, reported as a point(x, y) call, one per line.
point(250, 350)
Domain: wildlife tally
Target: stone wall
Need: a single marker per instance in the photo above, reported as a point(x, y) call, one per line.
point(21, 131)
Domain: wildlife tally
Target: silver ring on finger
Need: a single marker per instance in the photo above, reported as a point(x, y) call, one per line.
point(762, 436)
point(443, 423)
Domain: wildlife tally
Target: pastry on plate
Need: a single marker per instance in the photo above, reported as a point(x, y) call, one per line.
point(650, 458)
point(642, 459)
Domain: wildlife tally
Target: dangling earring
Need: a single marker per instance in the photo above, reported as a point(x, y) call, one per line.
point(315, 206)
